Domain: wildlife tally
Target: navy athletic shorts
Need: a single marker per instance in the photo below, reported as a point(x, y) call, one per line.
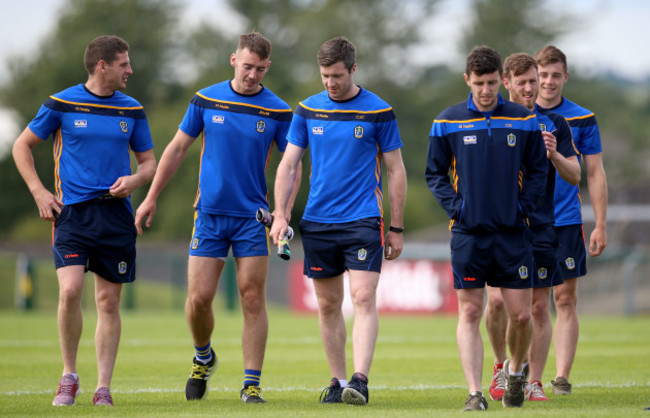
point(498, 259)
point(572, 251)
point(213, 236)
point(545, 252)
point(98, 234)
point(330, 249)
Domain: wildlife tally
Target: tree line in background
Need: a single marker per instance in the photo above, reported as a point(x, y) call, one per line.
point(171, 62)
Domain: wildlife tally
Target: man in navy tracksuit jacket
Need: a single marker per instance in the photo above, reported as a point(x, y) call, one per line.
point(486, 166)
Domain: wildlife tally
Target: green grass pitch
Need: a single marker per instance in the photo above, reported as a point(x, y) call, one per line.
point(416, 370)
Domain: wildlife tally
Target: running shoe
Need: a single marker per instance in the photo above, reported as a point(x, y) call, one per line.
point(332, 393)
point(197, 385)
point(67, 391)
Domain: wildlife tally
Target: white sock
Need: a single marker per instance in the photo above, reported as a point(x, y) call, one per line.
point(511, 373)
point(343, 383)
point(75, 375)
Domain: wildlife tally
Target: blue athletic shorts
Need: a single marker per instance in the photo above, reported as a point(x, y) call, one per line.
point(572, 251)
point(545, 250)
point(498, 259)
point(98, 234)
point(213, 236)
point(330, 249)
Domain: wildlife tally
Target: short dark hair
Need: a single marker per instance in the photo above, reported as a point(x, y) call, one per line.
point(517, 64)
point(551, 55)
point(335, 50)
point(483, 60)
point(256, 43)
point(106, 48)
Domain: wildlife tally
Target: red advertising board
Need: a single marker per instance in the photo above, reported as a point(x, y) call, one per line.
point(405, 286)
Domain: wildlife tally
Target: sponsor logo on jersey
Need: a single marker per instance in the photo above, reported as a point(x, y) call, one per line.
point(195, 243)
point(469, 140)
point(542, 273)
point(465, 126)
point(261, 126)
point(317, 130)
point(358, 132)
point(570, 263)
point(508, 125)
point(121, 267)
point(362, 254)
point(124, 127)
point(523, 272)
point(512, 140)
point(80, 123)
point(542, 127)
point(218, 119)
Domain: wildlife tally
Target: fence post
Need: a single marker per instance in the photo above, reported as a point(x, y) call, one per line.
point(24, 294)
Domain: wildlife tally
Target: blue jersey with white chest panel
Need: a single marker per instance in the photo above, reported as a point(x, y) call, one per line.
point(92, 136)
point(238, 134)
point(346, 140)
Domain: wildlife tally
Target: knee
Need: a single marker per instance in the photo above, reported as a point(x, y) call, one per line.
point(252, 299)
point(471, 313)
point(495, 305)
point(565, 301)
point(329, 305)
point(70, 296)
point(364, 299)
point(521, 319)
point(108, 304)
point(199, 301)
point(540, 310)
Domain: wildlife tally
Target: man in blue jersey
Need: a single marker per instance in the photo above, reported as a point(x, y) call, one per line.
point(521, 80)
point(494, 152)
point(240, 121)
point(350, 132)
point(554, 73)
point(93, 127)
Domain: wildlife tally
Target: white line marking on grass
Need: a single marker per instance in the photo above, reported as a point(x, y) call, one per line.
point(311, 389)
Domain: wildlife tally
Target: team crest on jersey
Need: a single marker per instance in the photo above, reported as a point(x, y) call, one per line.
point(218, 119)
point(512, 140)
point(121, 267)
point(358, 132)
point(261, 126)
point(570, 263)
point(469, 140)
point(317, 130)
point(542, 273)
point(523, 272)
point(362, 254)
point(195, 243)
point(80, 123)
point(124, 127)
point(542, 127)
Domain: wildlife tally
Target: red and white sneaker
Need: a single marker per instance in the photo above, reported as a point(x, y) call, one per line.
point(498, 385)
point(103, 397)
point(534, 392)
point(68, 390)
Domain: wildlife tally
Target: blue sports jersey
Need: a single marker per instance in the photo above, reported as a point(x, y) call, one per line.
point(586, 137)
point(497, 161)
point(238, 134)
point(552, 122)
point(92, 136)
point(346, 140)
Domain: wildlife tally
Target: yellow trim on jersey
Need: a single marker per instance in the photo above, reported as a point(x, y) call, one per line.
point(243, 104)
point(95, 105)
point(346, 111)
point(580, 117)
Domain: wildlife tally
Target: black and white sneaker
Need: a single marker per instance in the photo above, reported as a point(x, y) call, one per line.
point(332, 393)
point(356, 392)
point(197, 385)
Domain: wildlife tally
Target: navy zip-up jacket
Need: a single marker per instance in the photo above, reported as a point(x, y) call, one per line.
point(486, 169)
